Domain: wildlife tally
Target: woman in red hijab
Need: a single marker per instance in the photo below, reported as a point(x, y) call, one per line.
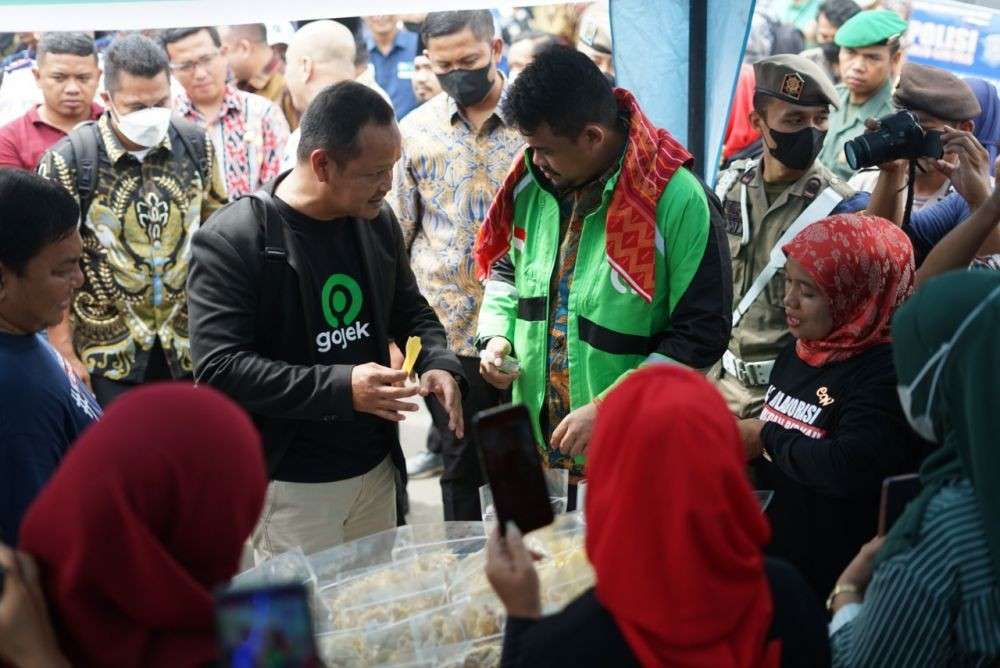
point(145, 516)
point(675, 536)
point(831, 428)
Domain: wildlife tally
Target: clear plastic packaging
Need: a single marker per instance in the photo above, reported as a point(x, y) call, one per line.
point(292, 566)
point(384, 613)
point(375, 585)
point(392, 644)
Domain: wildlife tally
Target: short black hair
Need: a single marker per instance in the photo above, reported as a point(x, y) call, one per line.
point(441, 24)
point(171, 35)
point(67, 44)
point(254, 32)
point(544, 40)
point(34, 212)
point(563, 88)
point(336, 117)
point(133, 54)
point(837, 12)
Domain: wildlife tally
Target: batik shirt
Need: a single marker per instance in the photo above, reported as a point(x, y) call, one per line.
point(574, 205)
point(249, 136)
point(442, 187)
point(136, 247)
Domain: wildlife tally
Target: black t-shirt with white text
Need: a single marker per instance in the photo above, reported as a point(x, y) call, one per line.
point(339, 310)
point(833, 433)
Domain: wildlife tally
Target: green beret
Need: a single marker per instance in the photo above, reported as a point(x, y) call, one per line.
point(869, 28)
point(935, 92)
point(794, 79)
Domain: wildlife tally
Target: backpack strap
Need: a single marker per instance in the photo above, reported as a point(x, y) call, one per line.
point(275, 255)
point(193, 139)
point(84, 141)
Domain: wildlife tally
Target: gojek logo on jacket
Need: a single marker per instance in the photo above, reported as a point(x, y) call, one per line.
point(341, 300)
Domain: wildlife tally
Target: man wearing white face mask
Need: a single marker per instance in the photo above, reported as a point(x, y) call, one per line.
point(145, 181)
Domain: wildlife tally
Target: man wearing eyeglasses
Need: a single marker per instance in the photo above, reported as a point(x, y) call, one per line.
point(248, 131)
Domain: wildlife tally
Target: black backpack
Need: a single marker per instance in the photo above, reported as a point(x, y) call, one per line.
point(85, 139)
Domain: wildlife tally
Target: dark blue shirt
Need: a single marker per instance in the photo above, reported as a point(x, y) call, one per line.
point(394, 72)
point(930, 225)
point(43, 408)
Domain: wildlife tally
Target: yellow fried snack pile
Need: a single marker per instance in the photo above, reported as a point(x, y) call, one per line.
point(412, 352)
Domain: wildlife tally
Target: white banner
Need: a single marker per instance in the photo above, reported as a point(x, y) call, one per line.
point(41, 15)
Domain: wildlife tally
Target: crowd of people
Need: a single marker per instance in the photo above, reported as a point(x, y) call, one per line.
point(266, 217)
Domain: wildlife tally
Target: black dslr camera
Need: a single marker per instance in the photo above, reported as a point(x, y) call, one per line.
point(899, 136)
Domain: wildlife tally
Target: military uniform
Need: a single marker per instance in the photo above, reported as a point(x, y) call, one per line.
point(754, 227)
point(849, 122)
point(873, 27)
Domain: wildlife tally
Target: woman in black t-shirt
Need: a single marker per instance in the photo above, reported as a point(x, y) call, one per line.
point(831, 428)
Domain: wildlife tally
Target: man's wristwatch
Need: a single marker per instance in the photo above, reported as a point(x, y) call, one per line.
point(846, 588)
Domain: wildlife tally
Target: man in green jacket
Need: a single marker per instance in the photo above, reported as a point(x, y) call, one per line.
point(601, 252)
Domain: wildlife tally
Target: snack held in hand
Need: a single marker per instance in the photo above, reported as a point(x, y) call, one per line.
point(412, 352)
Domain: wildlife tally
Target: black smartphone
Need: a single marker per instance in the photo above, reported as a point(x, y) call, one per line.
point(513, 467)
point(269, 625)
point(897, 491)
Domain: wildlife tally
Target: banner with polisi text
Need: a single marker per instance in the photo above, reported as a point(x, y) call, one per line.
point(955, 36)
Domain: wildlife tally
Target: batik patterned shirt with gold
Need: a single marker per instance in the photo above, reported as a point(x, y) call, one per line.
point(442, 187)
point(136, 249)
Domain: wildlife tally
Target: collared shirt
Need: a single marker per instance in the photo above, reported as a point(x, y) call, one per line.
point(136, 247)
point(442, 187)
point(393, 71)
point(270, 83)
point(249, 136)
point(848, 122)
point(25, 139)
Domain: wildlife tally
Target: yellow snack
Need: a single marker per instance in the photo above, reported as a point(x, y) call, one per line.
point(412, 352)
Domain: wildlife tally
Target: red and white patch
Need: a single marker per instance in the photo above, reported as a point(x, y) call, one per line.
point(519, 237)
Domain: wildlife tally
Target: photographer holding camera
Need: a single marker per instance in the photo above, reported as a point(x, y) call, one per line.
point(934, 130)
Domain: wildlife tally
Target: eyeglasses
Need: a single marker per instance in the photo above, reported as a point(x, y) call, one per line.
point(189, 66)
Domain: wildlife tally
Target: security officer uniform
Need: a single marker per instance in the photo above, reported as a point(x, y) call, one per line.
point(755, 229)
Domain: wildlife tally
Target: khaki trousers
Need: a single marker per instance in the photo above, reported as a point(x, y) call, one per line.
point(317, 516)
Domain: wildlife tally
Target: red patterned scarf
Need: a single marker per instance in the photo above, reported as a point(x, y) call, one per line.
point(864, 266)
point(651, 158)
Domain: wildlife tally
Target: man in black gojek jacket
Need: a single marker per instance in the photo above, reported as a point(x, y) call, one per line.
point(295, 294)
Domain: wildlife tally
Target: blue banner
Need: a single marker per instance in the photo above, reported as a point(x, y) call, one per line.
point(961, 38)
point(651, 59)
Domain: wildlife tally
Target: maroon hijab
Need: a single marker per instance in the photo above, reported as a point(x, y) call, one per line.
point(147, 513)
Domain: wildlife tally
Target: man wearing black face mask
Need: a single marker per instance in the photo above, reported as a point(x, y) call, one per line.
point(767, 202)
point(456, 151)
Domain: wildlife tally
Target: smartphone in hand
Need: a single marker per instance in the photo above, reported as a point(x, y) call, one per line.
point(897, 491)
point(513, 467)
point(269, 625)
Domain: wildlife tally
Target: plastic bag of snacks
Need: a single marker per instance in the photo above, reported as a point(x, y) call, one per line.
point(349, 559)
point(384, 613)
point(385, 583)
point(392, 644)
point(291, 566)
point(484, 653)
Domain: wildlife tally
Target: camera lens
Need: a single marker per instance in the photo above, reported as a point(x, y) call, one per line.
point(858, 153)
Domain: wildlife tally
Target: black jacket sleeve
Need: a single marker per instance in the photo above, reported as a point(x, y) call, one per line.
point(702, 320)
point(584, 635)
point(223, 296)
point(413, 316)
point(869, 441)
